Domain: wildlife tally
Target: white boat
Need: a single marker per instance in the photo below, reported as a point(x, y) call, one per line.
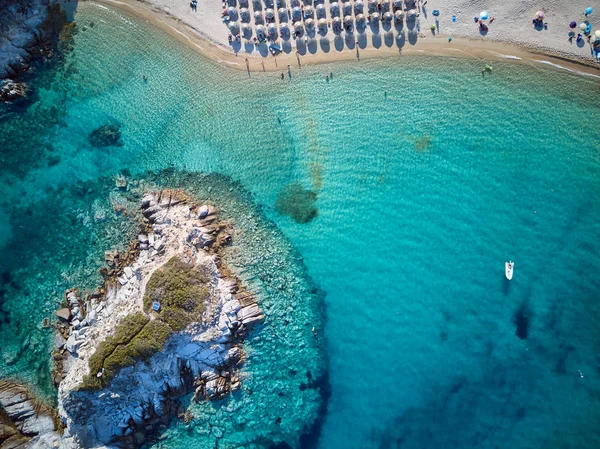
point(508, 269)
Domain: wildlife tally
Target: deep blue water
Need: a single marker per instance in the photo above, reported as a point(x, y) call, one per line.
point(422, 195)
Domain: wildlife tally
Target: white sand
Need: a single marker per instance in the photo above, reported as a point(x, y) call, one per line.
point(510, 36)
point(512, 23)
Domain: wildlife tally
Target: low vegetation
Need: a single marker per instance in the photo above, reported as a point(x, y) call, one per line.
point(181, 290)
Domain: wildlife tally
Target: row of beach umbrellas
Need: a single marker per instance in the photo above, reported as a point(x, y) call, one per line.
point(319, 12)
point(310, 24)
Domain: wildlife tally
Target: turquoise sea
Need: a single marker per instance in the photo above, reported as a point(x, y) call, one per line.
point(412, 181)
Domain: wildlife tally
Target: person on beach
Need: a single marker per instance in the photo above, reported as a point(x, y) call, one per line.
point(491, 20)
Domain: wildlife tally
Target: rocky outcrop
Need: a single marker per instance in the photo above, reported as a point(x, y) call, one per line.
point(204, 358)
point(23, 418)
point(27, 31)
point(10, 91)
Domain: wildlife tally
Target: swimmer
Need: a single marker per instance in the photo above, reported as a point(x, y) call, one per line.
point(314, 332)
point(145, 78)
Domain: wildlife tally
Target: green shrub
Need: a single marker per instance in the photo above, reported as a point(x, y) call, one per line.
point(135, 338)
point(181, 289)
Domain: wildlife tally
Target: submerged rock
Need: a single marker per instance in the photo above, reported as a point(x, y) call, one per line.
point(10, 91)
point(106, 136)
point(22, 417)
point(297, 202)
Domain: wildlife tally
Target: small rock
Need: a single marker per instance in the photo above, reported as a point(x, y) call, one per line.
point(64, 314)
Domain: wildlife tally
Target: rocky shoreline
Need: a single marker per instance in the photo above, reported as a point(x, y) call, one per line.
point(204, 358)
point(28, 32)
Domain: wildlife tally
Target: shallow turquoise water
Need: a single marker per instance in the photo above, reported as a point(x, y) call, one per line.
point(422, 194)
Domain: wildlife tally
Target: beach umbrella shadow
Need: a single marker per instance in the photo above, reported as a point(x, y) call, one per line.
point(362, 41)
point(338, 43)
point(286, 47)
point(350, 43)
point(325, 45)
point(401, 40)
point(249, 47)
point(389, 39)
point(312, 46)
point(301, 46)
point(376, 41)
point(263, 49)
point(413, 37)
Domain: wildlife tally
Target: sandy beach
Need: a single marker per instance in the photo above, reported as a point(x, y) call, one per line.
point(510, 36)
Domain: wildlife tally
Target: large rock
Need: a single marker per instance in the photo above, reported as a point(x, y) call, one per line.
point(64, 314)
point(22, 416)
point(10, 91)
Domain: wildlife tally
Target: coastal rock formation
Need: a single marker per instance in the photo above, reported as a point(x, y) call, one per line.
point(27, 29)
point(23, 419)
point(203, 354)
point(106, 136)
point(9, 90)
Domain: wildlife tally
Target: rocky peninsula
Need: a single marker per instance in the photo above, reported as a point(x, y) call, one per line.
point(204, 327)
point(124, 396)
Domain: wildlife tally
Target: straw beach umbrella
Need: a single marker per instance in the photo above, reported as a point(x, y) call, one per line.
point(232, 13)
point(296, 13)
point(299, 28)
point(283, 15)
point(321, 11)
point(284, 29)
point(347, 8)
point(258, 18)
point(388, 16)
point(399, 16)
point(360, 21)
point(375, 17)
point(336, 24)
point(372, 6)
point(358, 7)
point(411, 14)
point(234, 27)
point(348, 21)
point(385, 5)
point(322, 24)
point(398, 4)
point(309, 12)
point(245, 15)
point(260, 31)
point(269, 14)
point(334, 9)
point(310, 24)
point(247, 31)
point(272, 30)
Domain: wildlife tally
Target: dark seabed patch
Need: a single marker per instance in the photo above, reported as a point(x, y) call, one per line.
point(297, 202)
point(423, 143)
point(105, 136)
point(522, 320)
